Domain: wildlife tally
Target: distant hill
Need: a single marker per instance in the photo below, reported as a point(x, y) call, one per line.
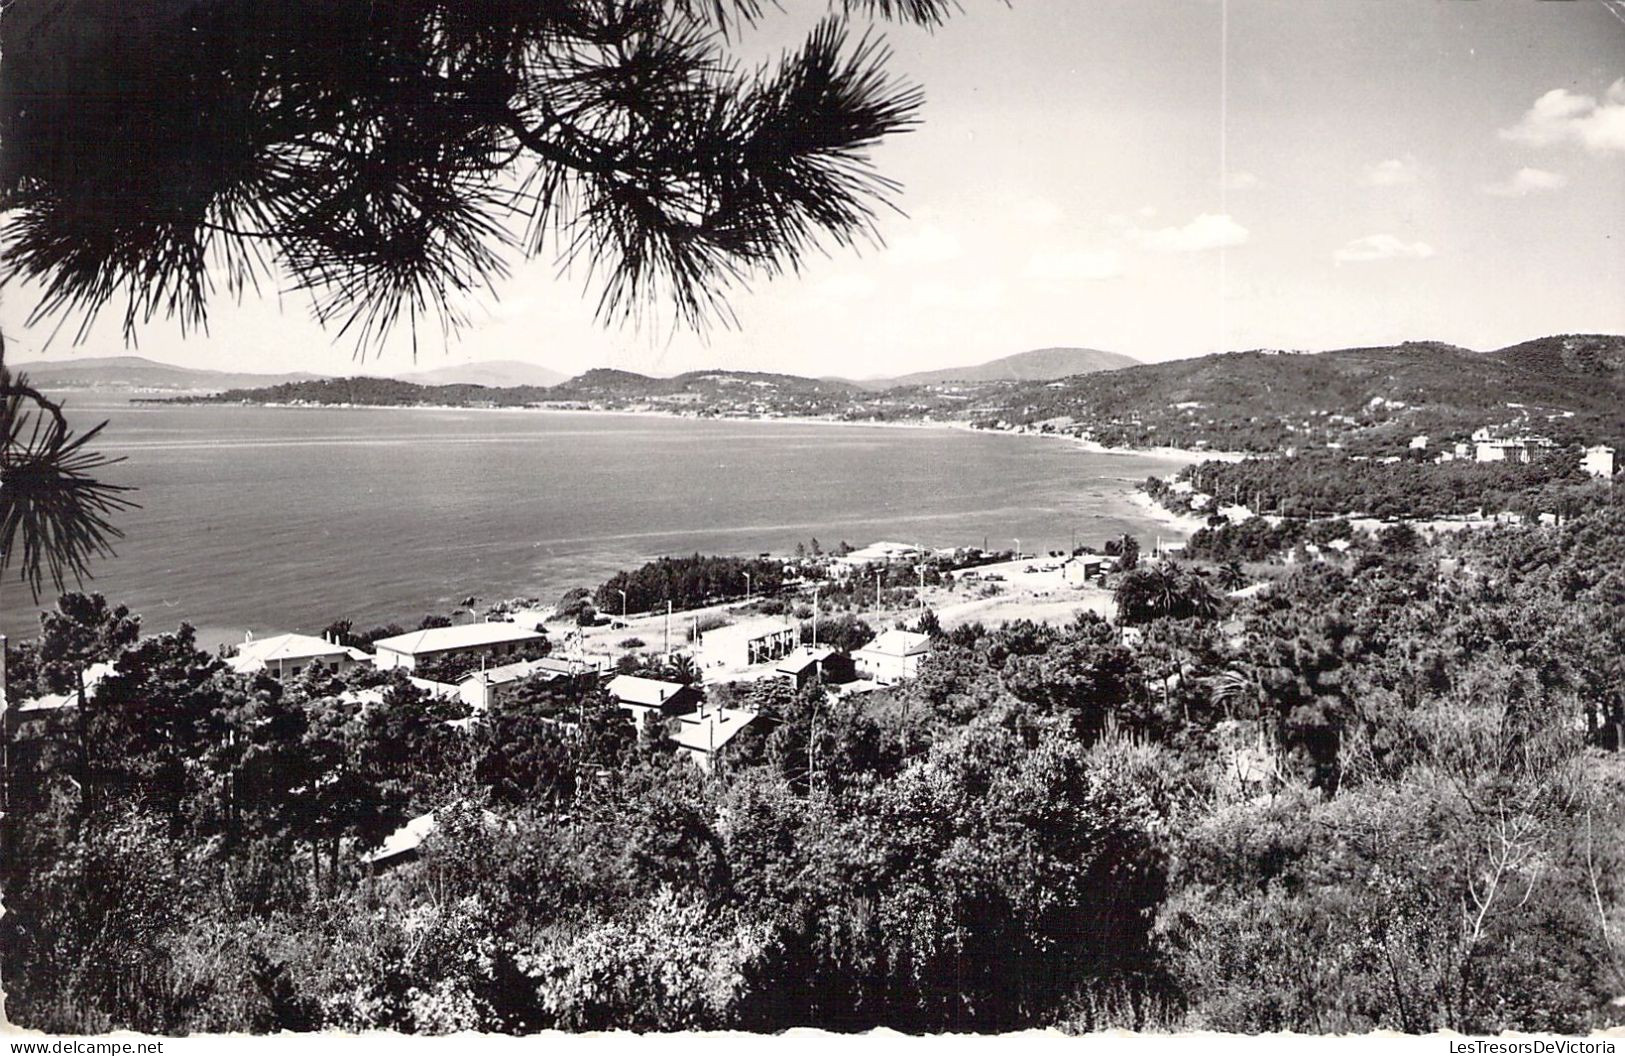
point(1572, 355)
point(709, 392)
point(139, 373)
point(378, 392)
point(624, 384)
point(1368, 400)
point(493, 373)
point(1041, 364)
point(731, 392)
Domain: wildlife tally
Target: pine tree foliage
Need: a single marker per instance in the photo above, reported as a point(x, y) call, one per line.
point(387, 159)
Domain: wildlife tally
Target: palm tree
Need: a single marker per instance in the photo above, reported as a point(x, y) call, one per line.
point(1196, 598)
point(48, 495)
point(1231, 576)
point(684, 669)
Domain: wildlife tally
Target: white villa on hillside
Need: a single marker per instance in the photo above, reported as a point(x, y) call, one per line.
point(895, 656)
point(289, 655)
point(495, 641)
point(1598, 461)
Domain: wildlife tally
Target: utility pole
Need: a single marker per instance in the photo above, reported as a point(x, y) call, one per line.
point(815, 615)
point(877, 589)
point(668, 629)
point(812, 729)
point(1018, 547)
point(747, 586)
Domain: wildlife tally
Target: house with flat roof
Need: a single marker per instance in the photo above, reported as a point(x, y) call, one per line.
point(1489, 448)
point(1598, 461)
point(750, 642)
point(290, 655)
point(640, 696)
point(894, 656)
point(494, 641)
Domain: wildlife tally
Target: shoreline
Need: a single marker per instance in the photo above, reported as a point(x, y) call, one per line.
point(1186, 524)
point(1116, 486)
point(1188, 455)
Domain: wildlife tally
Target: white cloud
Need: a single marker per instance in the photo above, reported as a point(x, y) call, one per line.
point(1381, 247)
point(1076, 265)
point(928, 245)
point(1527, 181)
point(1208, 231)
point(1394, 172)
point(1562, 116)
point(1240, 181)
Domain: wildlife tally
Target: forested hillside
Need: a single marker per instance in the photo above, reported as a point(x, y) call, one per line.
point(1375, 397)
point(1383, 792)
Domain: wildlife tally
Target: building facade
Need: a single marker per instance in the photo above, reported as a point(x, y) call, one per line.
point(503, 642)
point(894, 656)
point(751, 642)
point(291, 655)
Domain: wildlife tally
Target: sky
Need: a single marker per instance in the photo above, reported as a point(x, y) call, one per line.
point(1161, 178)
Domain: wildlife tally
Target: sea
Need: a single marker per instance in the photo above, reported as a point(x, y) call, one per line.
point(272, 519)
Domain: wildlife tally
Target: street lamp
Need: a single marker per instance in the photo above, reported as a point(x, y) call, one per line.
point(815, 615)
point(747, 586)
point(622, 593)
point(1017, 538)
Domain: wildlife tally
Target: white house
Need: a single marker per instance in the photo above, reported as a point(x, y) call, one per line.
point(749, 642)
point(479, 688)
point(640, 695)
point(54, 705)
point(881, 553)
point(1598, 461)
point(1512, 449)
point(495, 641)
point(1080, 570)
point(289, 655)
point(703, 734)
point(895, 656)
point(804, 664)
